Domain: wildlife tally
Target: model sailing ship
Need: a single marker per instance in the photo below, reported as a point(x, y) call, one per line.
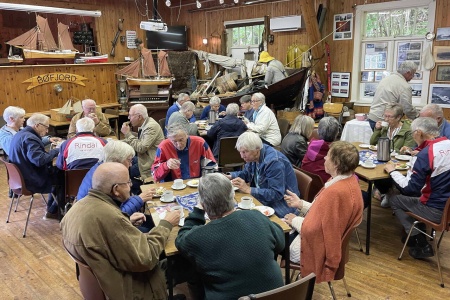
point(38, 43)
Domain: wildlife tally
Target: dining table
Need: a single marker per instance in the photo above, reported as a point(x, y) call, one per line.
point(171, 250)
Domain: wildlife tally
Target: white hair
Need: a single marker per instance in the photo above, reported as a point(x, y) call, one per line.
point(140, 109)
point(13, 112)
point(214, 100)
point(249, 141)
point(232, 109)
point(85, 125)
point(36, 119)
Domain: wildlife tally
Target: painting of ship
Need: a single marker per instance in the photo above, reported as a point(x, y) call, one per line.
point(38, 43)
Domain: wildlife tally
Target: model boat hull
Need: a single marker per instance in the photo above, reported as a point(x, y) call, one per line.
point(149, 81)
point(37, 54)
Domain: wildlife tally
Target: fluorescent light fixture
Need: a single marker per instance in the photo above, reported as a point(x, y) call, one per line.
point(49, 10)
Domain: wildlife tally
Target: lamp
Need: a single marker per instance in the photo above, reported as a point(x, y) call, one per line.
point(205, 41)
point(50, 10)
point(236, 1)
point(199, 5)
point(221, 1)
point(168, 3)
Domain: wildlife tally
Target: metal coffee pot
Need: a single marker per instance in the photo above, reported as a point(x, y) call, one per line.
point(208, 170)
point(384, 149)
point(212, 117)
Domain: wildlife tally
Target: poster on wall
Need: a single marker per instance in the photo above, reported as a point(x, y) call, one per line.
point(343, 25)
point(340, 84)
point(375, 56)
point(409, 51)
point(440, 94)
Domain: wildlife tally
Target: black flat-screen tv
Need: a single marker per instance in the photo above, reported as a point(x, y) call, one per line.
point(175, 38)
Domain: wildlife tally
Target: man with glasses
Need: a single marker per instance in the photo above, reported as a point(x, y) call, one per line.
point(102, 127)
point(27, 151)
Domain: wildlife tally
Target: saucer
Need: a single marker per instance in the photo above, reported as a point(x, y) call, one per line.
point(167, 201)
point(193, 183)
point(403, 157)
point(368, 166)
point(265, 210)
point(180, 188)
point(251, 207)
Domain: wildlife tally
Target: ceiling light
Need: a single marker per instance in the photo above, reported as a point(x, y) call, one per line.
point(168, 3)
point(221, 1)
point(236, 1)
point(50, 10)
point(199, 5)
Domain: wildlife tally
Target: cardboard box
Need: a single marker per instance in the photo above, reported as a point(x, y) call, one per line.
point(56, 116)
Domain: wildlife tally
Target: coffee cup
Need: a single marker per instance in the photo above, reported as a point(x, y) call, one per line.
point(246, 202)
point(178, 183)
point(180, 208)
point(369, 163)
point(167, 196)
point(384, 124)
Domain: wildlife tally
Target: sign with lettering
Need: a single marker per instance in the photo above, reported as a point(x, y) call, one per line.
point(54, 77)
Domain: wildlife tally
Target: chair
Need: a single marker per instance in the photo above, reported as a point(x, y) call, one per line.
point(303, 183)
point(162, 123)
point(334, 110)
point(115, 121)
point(89, 286)
point(17, 185)
point(283, 124)
point(300, 290)
point(72, 182)
point(315, 187)
point(443, 226)
point(229, 157)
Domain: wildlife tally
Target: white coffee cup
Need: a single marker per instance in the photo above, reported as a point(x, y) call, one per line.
point(180, 208)
point(384, 124)
point(369, 163)
point(178, 183)
point(246, 202)
point(167, 196)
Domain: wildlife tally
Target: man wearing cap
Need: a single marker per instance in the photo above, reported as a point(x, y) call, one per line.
point(275, 70)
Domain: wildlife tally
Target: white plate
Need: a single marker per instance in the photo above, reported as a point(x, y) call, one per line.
point(364, 146)
point(265, 210)
point(167, 201)
point(368, 167)
point(403, 157)
point(194, 185)
point(252, 206)
point(373, 148)
point(180, 188)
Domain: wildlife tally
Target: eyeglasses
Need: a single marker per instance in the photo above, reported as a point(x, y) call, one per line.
point(253, 101)
point(389, 116)
point(132, 115)
point(46, 126)
point(119, 183)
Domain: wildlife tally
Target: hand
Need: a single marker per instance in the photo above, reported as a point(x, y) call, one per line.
point(148, 195)
point(137, 219)
point(405, 149)
point(288, 218)
point(414, 152)
point(378, 125)
point(125, 128)
point(94, 118)
point(293, 200)
point(222, 113)
point(389, 167)
point(173, 163)
point(311, 105)
point(173, 217)
point(54, 140)
point(241, 185)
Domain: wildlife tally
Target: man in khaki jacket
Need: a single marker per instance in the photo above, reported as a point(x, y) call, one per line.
point(124, 260)
point(102, 127)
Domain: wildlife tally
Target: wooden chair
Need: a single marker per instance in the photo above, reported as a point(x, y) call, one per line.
point(89, 286)
point(300, 290)
point(72, 182)
point(304, 183)
point(283, 124)
point(229, 157)
point(442, 227)
point(162, 123)
point(17, 185)
point(334, 110)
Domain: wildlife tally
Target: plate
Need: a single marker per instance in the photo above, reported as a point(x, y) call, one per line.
point(368, 167)
point(265, 210)
point(364, 146)
point(401, 168)
point(372, 147)
point(192, 183)
point(163, 215)
point(167, 201)
point(403, 157)
point(252, 206)
point(180, 188)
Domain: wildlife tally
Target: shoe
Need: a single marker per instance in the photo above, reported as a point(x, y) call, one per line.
point(376, 194)
point(50, 216)
point(385, 202)
point(421, 252)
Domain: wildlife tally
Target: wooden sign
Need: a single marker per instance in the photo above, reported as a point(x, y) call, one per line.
point(54, 77)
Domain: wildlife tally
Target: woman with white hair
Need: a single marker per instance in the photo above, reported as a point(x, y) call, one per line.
point(182, 117)
point(214, 104)
point(229, 126)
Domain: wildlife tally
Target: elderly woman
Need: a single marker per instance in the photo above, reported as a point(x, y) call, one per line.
point(314, 158)
point(248, 241)
point(214, 104)
point(295, 143)
point(322, 224)
point(182, 117)
point(229, 126)
point(267, 173)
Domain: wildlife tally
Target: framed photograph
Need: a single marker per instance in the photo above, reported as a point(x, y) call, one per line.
point(443, 73)
point(343, 25)
point(442, 54)
point(340, 84)
point(369, 89)
point(367, 76)
point(381, 74)
point(411, 51)
point(416, 90)
point(375, 56)
point(443, 34)
point(440, 94)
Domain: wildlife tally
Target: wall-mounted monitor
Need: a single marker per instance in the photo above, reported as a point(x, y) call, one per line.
point(175, 38)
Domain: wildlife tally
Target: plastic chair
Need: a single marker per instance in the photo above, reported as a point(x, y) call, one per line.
point(300, 290)
point(162, 123)
point(17, 185)
point(304, 183)
point(229, 157)
point(315, 187)
point(442, 227)
point(72, 182)
point(334, 110)
point(283, 124)
point(89, 286)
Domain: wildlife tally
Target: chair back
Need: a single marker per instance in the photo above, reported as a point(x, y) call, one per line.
point(229, 157)
point(89, 286)
point(316, 184)
point(445, 222)
point(340, 273)
point(15, 179)
point(334, 110)
point(299, 290)
point(73, 179)
point(162, 123)
point(283, 124)
point(303, 183)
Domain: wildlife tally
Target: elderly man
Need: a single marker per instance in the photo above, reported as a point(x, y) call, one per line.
point(435, 111)
point(264, 121)
point(102, 127)
point(176, 106)
point(430, 177)
point(15, 117)
point(83, 150)
point(394, 89)
point(124, 260)
point(181, 155)
point(267, 173)
point(182, 117)
point(229, 126)
point(214, 104)
point(275, 70)
point(246, 105)
point(27, 151)
point(148, 138)
point(237, 270)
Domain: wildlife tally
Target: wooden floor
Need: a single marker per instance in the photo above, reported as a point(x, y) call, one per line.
point(37, 267)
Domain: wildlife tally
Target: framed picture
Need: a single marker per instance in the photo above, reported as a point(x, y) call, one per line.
point(340, 83)
point(369, 89)
point(375, 56)
point(343, 25)
point(440, 94)
point(367, 76)
point(443, 34)
point(416, 90)
point(442, 54)
point(443, 73)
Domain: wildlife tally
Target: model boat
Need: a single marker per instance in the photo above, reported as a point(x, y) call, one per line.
point(38, 43)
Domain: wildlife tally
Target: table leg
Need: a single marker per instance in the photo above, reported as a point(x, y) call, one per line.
point(287, 259)
point(369, 217)
point(170, 276)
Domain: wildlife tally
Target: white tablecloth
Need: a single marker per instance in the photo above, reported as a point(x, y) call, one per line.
point(357, 131)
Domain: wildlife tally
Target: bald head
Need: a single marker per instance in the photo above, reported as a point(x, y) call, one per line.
point(107, 175)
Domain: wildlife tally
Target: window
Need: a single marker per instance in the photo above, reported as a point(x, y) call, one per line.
point(247, 35)
point(244, 36)
point(384, 38)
